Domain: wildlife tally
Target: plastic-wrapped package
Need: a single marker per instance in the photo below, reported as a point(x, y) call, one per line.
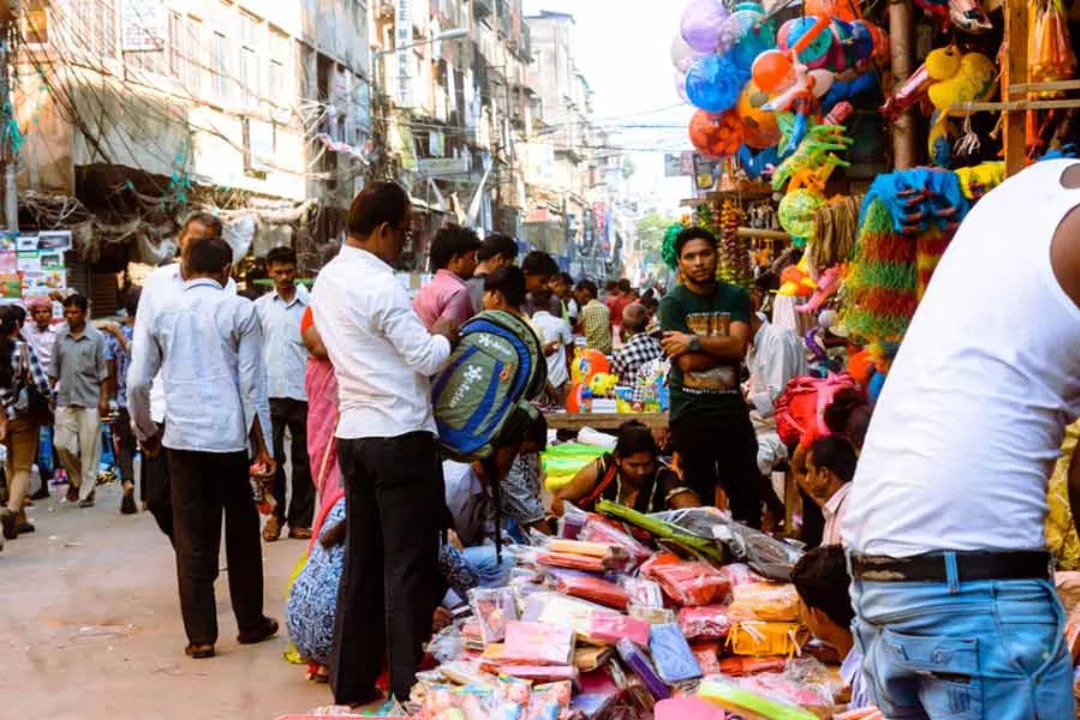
point(579, 547)
point(643, 593)
point(588, 658)
point(468, 703)
point(758, 638)
point(687, 708)
point(610, 629)
point(731, 697)
point(740, 574)
point(555, 609)
point(493, 608)
point(572, 521)
point(573, 562)
point(772, 602)
point(593, 589)
point(465, 672)
point(538, 643)
point(597, 529)
point(447, 645)
point(671, 653)
point(739, 666)
point(541, 673)
point(794, 686)
point(636, 659)
point(549, 702)
point(687, 582)
point(653, 616)
point(708, 657)
point(709, 622)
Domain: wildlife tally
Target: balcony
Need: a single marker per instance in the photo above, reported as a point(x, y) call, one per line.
point(483, 8)
point(522, 46)
point(506, 20)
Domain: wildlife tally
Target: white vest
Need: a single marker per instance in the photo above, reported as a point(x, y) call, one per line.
point(974, 409)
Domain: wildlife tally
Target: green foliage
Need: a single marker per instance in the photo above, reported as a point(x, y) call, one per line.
point(651, 230)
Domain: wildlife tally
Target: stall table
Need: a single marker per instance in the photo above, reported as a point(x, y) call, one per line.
point(602, 421)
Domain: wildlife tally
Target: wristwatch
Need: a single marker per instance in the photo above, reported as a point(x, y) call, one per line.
point(695, 344)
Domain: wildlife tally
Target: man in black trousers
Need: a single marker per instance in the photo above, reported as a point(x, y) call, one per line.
point(394, 496)
point(208, 344)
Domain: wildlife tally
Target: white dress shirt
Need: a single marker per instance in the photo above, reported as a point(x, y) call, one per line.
point(833, 511)
point(207, 343)
point(382, 354)
point(284, 351)
point(164, 282)
point(42, 341)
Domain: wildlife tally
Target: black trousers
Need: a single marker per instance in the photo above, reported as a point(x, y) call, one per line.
point(125, 446)
point(156, 489)
point(292, 414)
point(204, 486)
point(390, 586)
point(721, 449)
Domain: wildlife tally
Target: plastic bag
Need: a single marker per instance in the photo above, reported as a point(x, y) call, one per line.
point(730, 696)
point(610, 629)
point(447, 645)
point(653, 616)
point(759, 638)
point(593, 589)
point(766, 601)
point(642, 593)
point(572, 521)
point(538, 643)
point(597, 529)
point(740, 574)
point(708, 657)
point(493, 609)
point(687, 582)
point(710, 622)
point(573, 562)
point(549, 702)
point(636, 659)
point(671, 653)
point(739, 666)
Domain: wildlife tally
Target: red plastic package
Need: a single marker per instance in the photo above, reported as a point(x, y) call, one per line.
point(643, 593)
point(708, 656)
point(593, 589)
point(738, 666)
point(542, 673)
point(710, 622)
point(598, 530)
point(610, 629)
point(687, 582)
point(572, 562)
point(740, 574)
point(534, 643)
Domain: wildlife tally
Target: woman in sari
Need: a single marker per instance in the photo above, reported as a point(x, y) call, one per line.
point(322, 391)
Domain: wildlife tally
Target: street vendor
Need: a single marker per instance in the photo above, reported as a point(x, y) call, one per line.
point(633, 476)
point(957, 613)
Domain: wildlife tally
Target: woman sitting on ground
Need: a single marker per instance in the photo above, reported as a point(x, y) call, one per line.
point(633, 476)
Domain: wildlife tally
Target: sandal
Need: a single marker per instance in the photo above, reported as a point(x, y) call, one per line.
point(72, 495)
point(267, 629)
point(300, 533)
point(199, 652)
point(272, 530)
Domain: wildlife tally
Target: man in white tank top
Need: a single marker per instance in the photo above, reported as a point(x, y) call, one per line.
point(956, 610)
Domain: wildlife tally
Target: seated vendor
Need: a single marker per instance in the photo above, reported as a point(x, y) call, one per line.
point(830, 467)
point(633, 476)
point(821, 578)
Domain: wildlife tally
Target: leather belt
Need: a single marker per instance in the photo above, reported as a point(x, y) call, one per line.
point(970, 566)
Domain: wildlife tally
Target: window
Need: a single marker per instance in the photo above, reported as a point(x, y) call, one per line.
point(178, 62)
point(198, 77)
point(219, 67)
point(280, 79)
point(249, 77)
point(96, 25)
point(34, 21)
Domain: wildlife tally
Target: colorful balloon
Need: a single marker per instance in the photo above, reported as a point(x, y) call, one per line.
point(759, 128)
point(716, 134)
point(682, 54)
point(840, 9)
point(680, 86)
point(772, 70)
point(701, 23)
point(796, 29)
point(713, 83)
point(747, 33)
point(797, 210)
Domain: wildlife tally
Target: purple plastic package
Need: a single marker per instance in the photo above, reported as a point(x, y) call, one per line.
point(636, 659)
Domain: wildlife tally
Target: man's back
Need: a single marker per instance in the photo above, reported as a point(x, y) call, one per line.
point(974, 408)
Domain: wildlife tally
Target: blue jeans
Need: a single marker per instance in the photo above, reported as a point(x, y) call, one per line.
point(986, 649)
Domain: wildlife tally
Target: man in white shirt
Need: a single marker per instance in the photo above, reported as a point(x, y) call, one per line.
point(164, 283)
point(383, 358)
point(830, 466)
point(280, 313)
point(555, 337)
point(207, 343)
point(956, 609)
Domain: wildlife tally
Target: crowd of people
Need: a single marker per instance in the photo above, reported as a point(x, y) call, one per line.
point(903, 513)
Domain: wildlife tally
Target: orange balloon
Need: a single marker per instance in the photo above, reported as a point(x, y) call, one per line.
point(759, 127)
point(716, 134)
point(772, 70)
point(845, 10)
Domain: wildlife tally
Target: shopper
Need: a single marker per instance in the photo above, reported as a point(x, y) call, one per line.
point(495, 251)
point(207, 343)
point(563, 287)
point(383, 357)
point(640, 349)
point(22, 377)
point(40, 333)
point(595, 317)
point(80, 374)
point(280, 313)
point(453, 258)
point(118, 338)
point(557, 340)
point(540, 270)
point(778, 356)
point(706, 327)
point(322, 391)
point(830, 467)
point(163, 284)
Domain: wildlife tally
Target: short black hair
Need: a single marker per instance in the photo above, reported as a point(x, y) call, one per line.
point(650, 302)
point(281, 255)
point(510, 281)
point(536, 431)
point(497, 245)
point(587, 285)
point(77, 300)
point(539, 263)
point(821, 578)
point(848, 404)
point(378, 203)
point(639, 317)
point(206, 219)
point(209, 256)
point(130, 300)
point(693, 233)
point(836, 454)
point(633, 438)
point(450, 242)
point(20, 313)
point(565, 277)
point(625, 286)
point(611, 286)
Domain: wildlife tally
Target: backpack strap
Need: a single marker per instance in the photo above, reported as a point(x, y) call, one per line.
point(601, 486)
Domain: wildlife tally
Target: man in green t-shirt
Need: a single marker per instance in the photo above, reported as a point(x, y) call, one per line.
point(706, 328)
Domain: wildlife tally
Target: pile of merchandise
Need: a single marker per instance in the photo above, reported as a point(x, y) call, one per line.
point(625, 615)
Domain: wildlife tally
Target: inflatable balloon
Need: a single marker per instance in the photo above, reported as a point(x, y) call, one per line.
point(701, 23)
point(716, 135)
point(747, 33)
point(772, 70)
point(680, 86)
point(759, 127)
point(682, 54)
point(845, 10)
point(796, 212)
point(713, 83)
point(818, 45)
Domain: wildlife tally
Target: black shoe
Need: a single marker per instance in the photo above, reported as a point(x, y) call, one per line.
point(25, 528)
point(42, 494)
point(127, 505)
point(8, 525)
point(266, 630)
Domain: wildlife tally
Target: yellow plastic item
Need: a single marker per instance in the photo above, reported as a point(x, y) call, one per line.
point(772, 602)
point(578, 547)
point(1061, 538)
point(761, 639)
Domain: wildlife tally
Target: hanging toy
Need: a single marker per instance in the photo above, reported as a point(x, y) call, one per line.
point(957, 79)
point(967, 15)
point(815, 155)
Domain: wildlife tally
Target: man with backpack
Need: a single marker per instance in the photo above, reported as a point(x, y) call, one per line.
point(395, 509)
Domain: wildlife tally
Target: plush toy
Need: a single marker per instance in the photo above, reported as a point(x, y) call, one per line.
point(588, 363)
point(957, 78)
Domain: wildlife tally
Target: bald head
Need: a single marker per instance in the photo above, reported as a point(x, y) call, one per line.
point(635, 318)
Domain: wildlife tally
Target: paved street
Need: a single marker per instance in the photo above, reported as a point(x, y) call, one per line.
point(90, 627)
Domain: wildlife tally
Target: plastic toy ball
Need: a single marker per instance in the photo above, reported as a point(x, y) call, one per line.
point(772, 71)
point(759, 127)
point(797, 210)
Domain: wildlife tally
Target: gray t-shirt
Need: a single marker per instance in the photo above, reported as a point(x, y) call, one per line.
point(79, 366)
point(475, 286)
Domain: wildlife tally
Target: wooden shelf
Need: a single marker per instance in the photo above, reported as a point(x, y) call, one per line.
point(602, 421)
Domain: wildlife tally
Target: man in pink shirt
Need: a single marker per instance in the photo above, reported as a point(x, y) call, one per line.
point(453, 258)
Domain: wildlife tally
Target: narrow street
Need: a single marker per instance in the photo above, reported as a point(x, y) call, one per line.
point(90, 627)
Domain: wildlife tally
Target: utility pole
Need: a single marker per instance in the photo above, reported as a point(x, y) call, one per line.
point(7, 151)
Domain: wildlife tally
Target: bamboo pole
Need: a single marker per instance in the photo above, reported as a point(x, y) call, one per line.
point(901, 31)
point(1016, 72)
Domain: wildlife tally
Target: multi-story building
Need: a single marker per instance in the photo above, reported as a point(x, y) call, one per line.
point(134, 113)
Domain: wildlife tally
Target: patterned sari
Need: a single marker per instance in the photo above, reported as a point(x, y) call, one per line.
point(322, 392)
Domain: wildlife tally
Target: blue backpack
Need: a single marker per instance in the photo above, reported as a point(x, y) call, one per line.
point(483, 393)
